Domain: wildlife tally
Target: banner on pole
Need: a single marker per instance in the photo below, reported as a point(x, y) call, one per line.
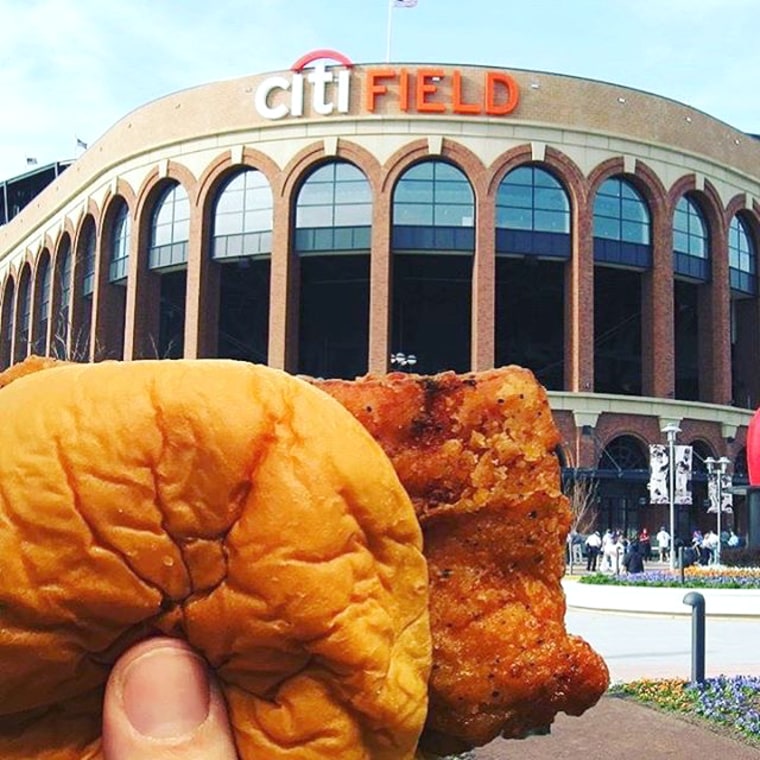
point(684, 457)
point(727, 498)
point(659, 474)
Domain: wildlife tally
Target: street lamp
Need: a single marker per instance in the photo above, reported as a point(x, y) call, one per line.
point(717, 469)
point(403, 360)
point(671, 430)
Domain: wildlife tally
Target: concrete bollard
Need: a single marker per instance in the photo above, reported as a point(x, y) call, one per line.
point(697, 602)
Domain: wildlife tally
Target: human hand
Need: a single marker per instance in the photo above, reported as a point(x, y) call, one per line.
point(161, 705)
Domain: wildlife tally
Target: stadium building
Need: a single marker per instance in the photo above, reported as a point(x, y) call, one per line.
point(336, 219)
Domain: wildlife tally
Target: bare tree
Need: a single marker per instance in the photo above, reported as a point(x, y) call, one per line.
point(581, 490)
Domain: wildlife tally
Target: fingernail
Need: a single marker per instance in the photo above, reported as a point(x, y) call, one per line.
point(166, 692)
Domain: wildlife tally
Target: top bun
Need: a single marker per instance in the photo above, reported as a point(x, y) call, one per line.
point(228, 504)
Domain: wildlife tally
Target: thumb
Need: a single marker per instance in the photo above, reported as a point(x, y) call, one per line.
point(161, 704)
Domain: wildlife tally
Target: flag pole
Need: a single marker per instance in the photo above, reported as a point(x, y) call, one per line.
point(388, 39)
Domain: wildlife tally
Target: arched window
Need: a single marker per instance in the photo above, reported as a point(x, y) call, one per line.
point(532, 247)
point(334, 210)
point(170, 229)
point(119, 244)
point(433, 209)
point(691, 249)
point(433, 242)
point(88, 253)
point(7, 323)
point(622, 229)
point(623, 453)
point(24, 315)
point(332, 234)
point(243, 217)
point(742, 258)
point(63, 301)
point(241, 244)
point(532, 214)
point(42, 305)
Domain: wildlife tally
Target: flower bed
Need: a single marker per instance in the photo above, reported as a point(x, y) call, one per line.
point(694, 577)
point(730, 703)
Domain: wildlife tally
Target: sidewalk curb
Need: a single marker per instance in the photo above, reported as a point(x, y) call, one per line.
point(660, 601)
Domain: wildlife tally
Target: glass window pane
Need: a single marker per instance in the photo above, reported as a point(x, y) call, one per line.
point(517, 219)
point(606, 206)
point(443, 171)
point(182, 230)
point(413, 214)
point(516, 195)
point(230, 201)
point(453, 192)
point(633, 232)
point(680, 241)
point(353, 192)
point(611, 188)
point(324, 174)
point(543, 178)
point(634, 210)
point(257, 220)
point(314, 216)
point(314, 193)
point(523, 175)
point(410, 192)
point(227, 224)
point(420, 171)
point(348, 172)
point(453, 216)
point(550, 198)
point(359, 215)
point(605, 227)
point(550, 221)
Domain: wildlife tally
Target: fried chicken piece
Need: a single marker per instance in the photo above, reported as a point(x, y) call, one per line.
point(476, 454)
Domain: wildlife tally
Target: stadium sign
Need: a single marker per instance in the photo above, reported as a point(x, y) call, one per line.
point(424, 90)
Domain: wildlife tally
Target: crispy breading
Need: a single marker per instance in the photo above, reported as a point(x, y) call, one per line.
point(476, 454)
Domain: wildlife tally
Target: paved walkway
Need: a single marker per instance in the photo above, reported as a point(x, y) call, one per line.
point(620, 730)
point(636, 645)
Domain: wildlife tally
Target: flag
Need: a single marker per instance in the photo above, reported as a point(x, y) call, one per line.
point(31, 161)
point(81, 144)
point(404, 3)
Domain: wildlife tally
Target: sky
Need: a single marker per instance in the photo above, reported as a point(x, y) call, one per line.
point(70, 69)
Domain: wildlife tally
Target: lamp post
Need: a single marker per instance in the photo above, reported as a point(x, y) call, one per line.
point(403, 360)
point(717, 469)
point(671, 430)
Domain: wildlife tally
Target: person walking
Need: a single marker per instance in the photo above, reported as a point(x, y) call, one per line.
point(633, 561)
point(663, 543)
point(593, 545)
point(645, 545)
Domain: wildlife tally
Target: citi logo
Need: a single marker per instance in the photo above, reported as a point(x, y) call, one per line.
point(329, 89)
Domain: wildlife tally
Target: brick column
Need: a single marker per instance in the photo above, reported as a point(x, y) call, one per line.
point(197, 266)
point(579, 305)
point(141, 323)
point(283, 292)
point(657, 325)
point(380, 290)
point(483, 350)
point(715, 319)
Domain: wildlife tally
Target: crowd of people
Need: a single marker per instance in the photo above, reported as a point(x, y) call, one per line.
point(615, 552)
